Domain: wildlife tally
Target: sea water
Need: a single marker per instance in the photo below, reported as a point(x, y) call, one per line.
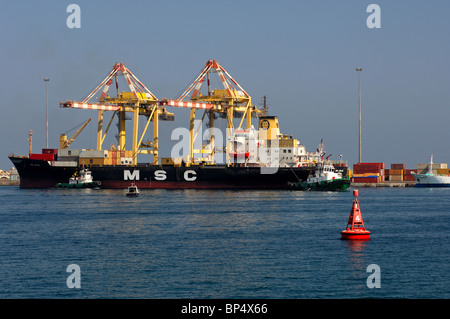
point(223, 244)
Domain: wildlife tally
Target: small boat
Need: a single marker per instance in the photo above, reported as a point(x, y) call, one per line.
point(133, 191)
point(324, 177)
point(429, 179)
point(83, 179)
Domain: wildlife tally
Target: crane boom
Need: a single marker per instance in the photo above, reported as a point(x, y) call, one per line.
point(65, 143)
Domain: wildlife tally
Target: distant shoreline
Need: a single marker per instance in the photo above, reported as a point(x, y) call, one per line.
point(8, 182)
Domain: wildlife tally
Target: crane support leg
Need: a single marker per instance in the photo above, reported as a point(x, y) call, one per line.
point(122, 135)
point(155, 135)
point(100, 130)
point(135, 133)
point(211, 139)
point(191, 136)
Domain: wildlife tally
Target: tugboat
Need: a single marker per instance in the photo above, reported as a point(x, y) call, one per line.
point(81, 180)
point(324, 177)
point(133, 191)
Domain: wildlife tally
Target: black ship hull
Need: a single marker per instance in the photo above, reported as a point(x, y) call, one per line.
point(42, 174)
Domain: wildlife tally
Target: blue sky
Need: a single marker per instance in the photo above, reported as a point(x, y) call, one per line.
point(301, 54)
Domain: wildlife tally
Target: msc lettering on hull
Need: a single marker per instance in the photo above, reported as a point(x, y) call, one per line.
point(127, 175)
point(159, 175)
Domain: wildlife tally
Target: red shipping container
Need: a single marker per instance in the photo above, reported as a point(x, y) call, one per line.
point(49, 151)
point(45, 157)
point(369, 165)
point(408, 178)
point(397, 166)
point(362, 171)
point(365, 179)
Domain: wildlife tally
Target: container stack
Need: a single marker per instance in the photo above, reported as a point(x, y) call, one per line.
point(407, 175)
point(396, 172)
point(424, 168)
point(91, 157)
point(399, 173)
point(368, 173)
point(119, 158)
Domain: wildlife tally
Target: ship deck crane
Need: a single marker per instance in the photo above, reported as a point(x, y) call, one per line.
point(65, 143)
point(140, 101)
point(229, 101)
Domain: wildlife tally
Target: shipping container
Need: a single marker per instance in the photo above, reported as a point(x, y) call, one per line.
point(432, 166)
point(365, 179)
point(408, 178)
point(396, 178)
point(366, 175)
point(49, 151)
point(45, 157)
point(369, 165)
point(443, 171)
point(397, 166)
point(65, 163)
point(395, 172)
point(91, 161)
point(93, 154)
point(73, 152)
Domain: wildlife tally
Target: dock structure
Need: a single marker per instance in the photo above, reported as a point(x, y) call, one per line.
point(385, 184)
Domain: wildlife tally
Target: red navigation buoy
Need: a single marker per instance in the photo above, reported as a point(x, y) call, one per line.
point(355, 225)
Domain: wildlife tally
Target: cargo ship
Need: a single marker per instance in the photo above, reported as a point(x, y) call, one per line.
point(253, 158)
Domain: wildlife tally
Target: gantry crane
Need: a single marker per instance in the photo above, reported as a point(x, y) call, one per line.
point(139, 101)
point(230, 101)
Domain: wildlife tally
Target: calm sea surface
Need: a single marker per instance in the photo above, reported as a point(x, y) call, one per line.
point(222, 244)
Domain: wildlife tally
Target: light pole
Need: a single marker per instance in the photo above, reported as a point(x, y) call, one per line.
point(46, 110)
point(359, 94)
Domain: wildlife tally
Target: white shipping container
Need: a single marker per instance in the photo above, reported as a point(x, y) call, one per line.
point(94, 154)
point(68, 152)
point(65, 164)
